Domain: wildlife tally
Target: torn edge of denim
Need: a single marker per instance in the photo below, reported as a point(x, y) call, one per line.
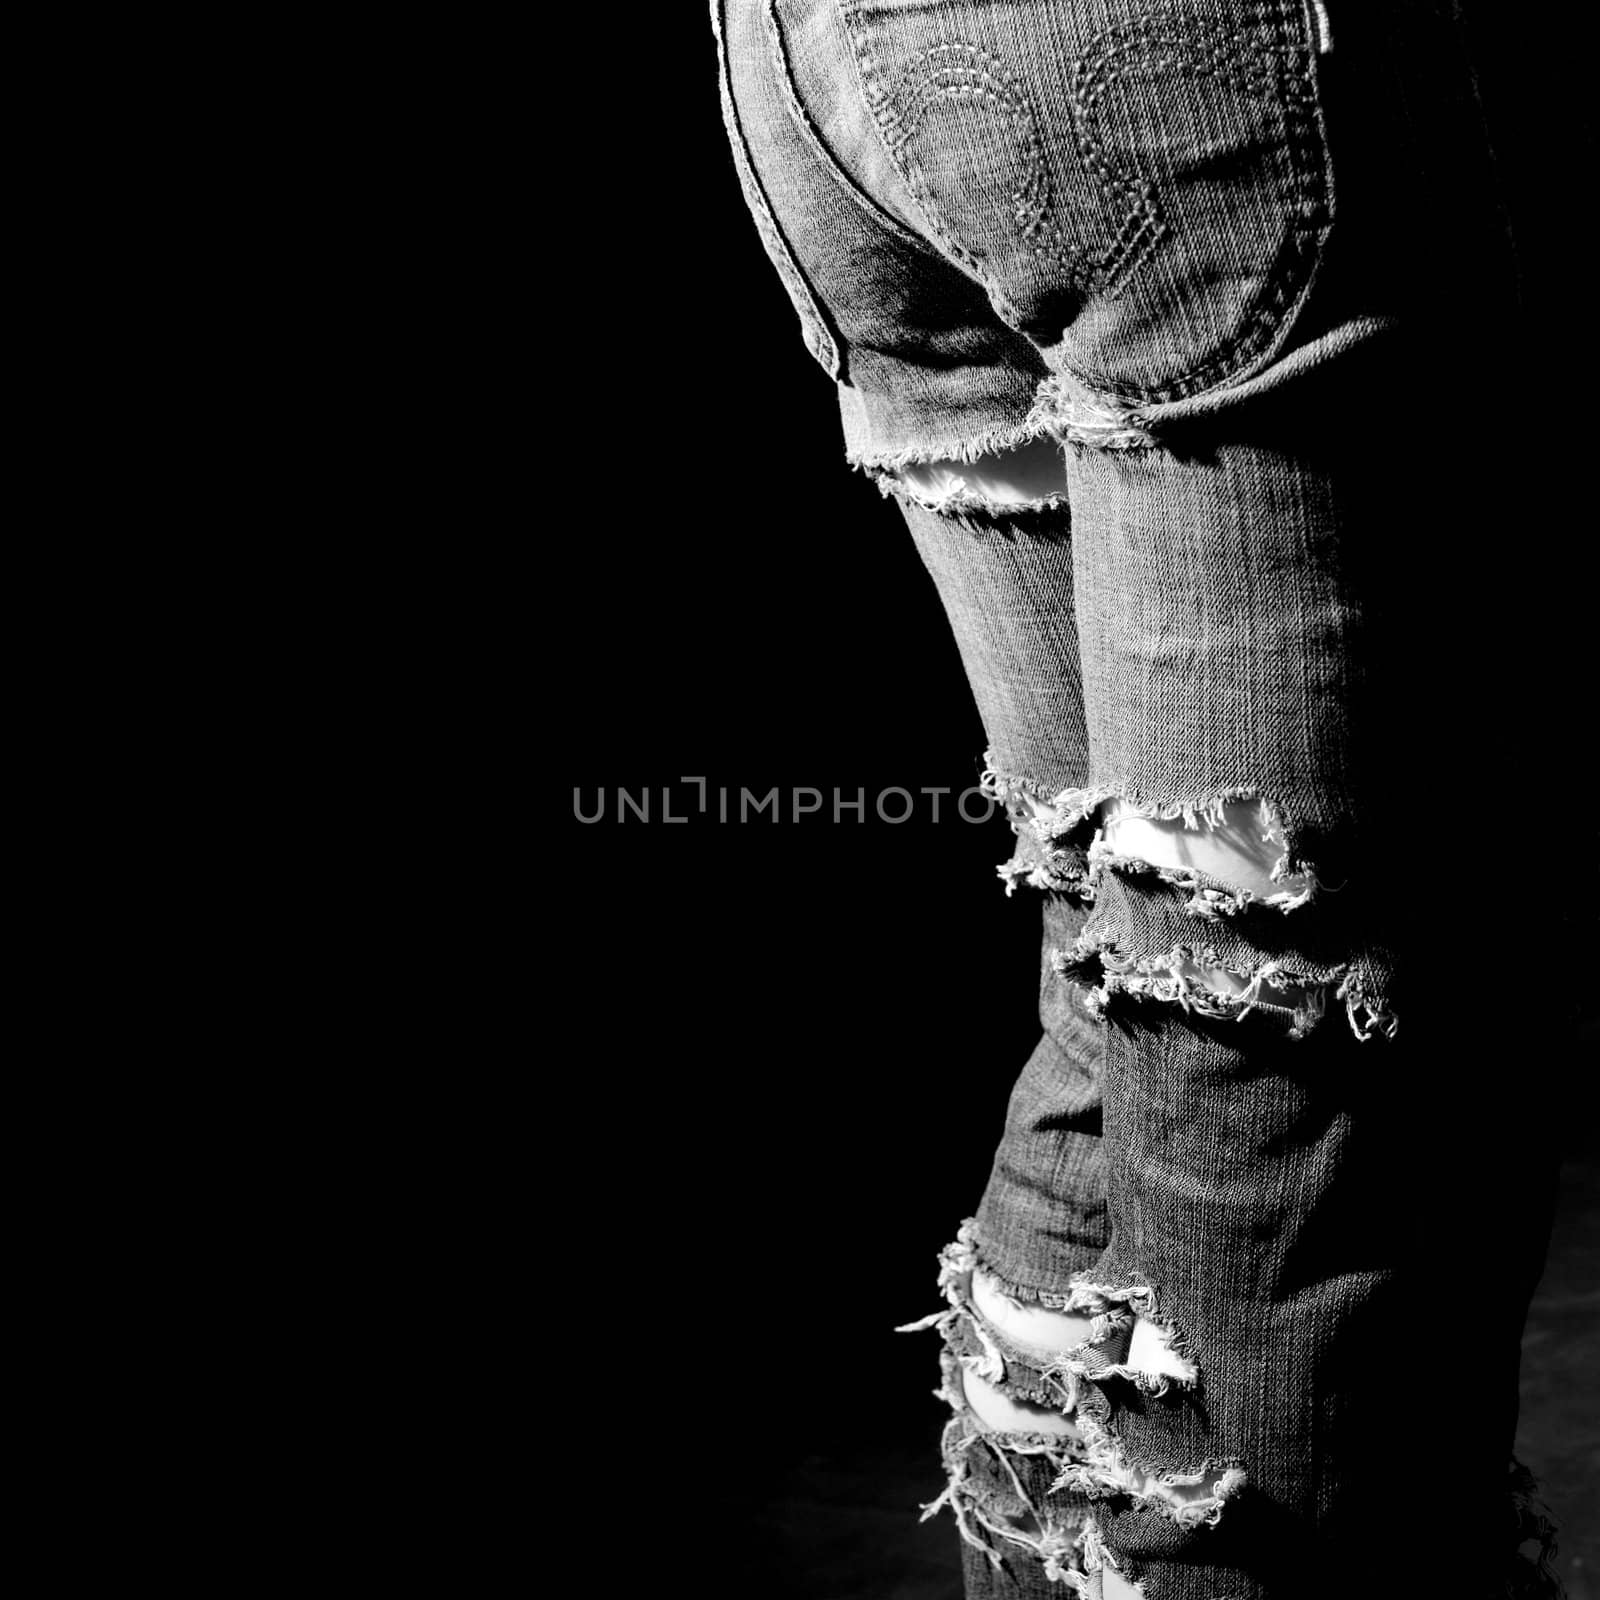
point(1074, 416)
point(887, 468)
point(1113, 1311)
point(1060, 873)
point(1080, 413)
point(1193, 1498)
point(1053, 869)
point(1209, 895)
point(976, 1252)
point(1166, 977)
point(957, 498)
point(987, 1522)
point(1095, 1465)
point(958, 1261)
point(1068, 818)
point(1040, 860)
point(969, 448)
point(1058, 1545)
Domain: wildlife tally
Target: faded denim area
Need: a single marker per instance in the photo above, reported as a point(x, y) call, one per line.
point(1235, 267)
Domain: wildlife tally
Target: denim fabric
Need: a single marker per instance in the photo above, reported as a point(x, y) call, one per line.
point(1228, 254)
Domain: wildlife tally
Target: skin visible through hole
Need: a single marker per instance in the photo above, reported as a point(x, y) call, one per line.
point(1032, 471)
point(1055, 1332)
point(1033, 1326)
point(1005, 1415)
point(1048, 1332)
point(1058, 1331)
point(1237, 850)
point(1149, 1350)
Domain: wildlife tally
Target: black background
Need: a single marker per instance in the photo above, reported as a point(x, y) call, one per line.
point(817, 1022)
point(794, 1041)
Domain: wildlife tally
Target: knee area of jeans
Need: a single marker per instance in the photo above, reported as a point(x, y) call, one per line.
point(1241, 845)
point(1187, 901)
point(1019, 1490)
point(999, 1412)
point(1124, 1339)
point(1011, 1385)
point(1234, 862)
point(1052, 1339)
point(1048, 1331)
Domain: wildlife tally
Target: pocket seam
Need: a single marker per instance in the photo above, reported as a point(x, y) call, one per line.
point(881, 103)
point(821, 340)
point(818, 147)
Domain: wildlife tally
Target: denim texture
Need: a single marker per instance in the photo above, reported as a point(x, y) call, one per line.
point(1227, 254)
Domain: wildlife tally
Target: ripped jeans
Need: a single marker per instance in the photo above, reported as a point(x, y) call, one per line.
point(1140, 314)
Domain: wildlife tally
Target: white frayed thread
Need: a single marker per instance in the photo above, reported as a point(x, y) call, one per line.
point(1187, 975)
point(1091, 1465)
point(1042, 875)
point(1324, 28)
point(1054, 1546)
point(1105, 1475)
point(1115, 1317)
point(1054, 818)
point(1097, 424)
point(956, 496)
point(1367, 1017)
point(991, 442)
point(1075, 807)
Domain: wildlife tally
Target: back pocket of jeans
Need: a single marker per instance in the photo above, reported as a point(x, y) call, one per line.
point(1147, 199)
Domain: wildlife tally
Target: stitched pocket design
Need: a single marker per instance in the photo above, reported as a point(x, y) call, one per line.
point(1148, 199)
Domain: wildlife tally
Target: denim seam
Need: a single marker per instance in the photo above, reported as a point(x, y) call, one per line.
point(879, 102)
point(820, 339)
point(812, 135)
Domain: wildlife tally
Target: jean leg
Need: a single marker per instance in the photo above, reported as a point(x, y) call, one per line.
point(1299, 1219)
